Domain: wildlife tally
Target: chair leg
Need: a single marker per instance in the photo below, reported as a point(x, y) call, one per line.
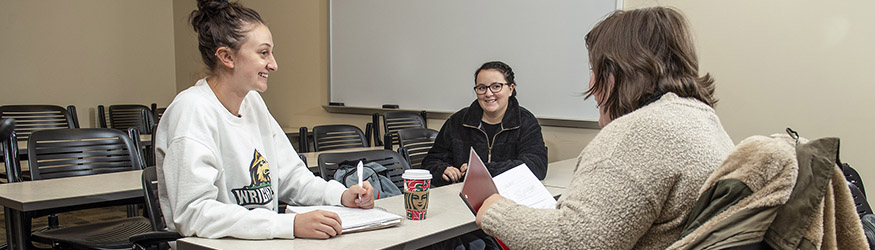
point(133, 210)
point(53, 221)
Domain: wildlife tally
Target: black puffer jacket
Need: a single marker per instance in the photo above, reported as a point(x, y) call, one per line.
point(519, 141)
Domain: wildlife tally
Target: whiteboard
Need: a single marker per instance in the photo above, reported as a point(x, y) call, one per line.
point(422, 55)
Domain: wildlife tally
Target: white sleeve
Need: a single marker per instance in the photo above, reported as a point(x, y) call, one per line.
point(190, 172)
point(297, 185)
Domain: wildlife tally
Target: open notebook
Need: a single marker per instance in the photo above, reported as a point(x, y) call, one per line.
point(518, 184)
point(355, 219)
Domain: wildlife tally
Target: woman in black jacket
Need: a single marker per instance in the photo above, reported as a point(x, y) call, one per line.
point(501, 131)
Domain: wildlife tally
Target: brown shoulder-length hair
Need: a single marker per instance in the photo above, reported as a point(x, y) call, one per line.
point(648, 52)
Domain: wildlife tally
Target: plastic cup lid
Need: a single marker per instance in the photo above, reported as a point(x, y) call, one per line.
point(417, 174)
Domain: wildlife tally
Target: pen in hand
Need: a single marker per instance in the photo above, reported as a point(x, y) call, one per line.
point(358, 169)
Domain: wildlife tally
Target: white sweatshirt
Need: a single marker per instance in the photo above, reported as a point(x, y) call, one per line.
point(221, 175)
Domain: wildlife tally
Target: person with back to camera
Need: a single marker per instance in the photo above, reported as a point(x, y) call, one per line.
point(501, 131)
point(637, 180)
point(223, 161)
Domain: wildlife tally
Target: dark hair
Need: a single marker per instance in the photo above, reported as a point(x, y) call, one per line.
point(220, 24)
point(501, 67)
point(648, 52)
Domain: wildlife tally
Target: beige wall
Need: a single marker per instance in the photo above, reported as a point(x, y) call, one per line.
point(798, 64)
point(777, 64)
point(299, 88)
point(86, 53)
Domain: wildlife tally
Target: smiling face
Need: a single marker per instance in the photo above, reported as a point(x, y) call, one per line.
point(493, 104)
point(254, 60)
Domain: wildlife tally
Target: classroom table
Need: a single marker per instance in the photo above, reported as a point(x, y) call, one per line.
point(448, 216)
point(559, 173)
point(64, 194)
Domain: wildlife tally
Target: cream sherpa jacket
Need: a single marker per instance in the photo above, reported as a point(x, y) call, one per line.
point(633, 186)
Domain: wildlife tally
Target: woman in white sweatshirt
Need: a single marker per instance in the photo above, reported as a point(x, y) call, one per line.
point(223, 161)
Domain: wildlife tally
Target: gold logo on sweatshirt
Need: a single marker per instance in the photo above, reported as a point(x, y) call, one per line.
point(259, 190)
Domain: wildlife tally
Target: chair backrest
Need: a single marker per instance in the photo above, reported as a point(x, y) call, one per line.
point(304, 140)
point(62, 153)
point(158, 113)
point(32, 118)
point(860, 202)
point(853, 177)
point(144, 152)
point(74, 114)
point(389, 159)
point(395, 121)
point(151, 156)
point(414, 144)
point(327, 137)
point(102, 120)
point(9, 146)
point(150, 192)
point(7, 126)
point(137, 116)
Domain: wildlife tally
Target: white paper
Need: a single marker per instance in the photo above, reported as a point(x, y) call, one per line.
point(354, 219)
point(520, 185)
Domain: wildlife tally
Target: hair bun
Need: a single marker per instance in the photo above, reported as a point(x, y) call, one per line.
point(211, 6)
point(206, 10)
point(220, 23)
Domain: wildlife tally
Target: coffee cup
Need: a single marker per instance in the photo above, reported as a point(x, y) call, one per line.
point(417, 183)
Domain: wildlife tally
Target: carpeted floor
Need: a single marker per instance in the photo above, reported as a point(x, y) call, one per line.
point(74, 218)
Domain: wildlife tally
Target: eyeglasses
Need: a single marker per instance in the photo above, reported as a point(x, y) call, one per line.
point(494, 87)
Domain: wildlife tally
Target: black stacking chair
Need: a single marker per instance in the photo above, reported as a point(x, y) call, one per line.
point(64, 153)
point(9, 146)
point(389, 159)
point(159, 237)
point(328, 137)
point(137, 116)
point(32, 118)
point(395, 121)
point(414, 144)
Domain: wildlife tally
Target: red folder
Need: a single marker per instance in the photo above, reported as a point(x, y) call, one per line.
point(478, 186)
point(478, 183)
